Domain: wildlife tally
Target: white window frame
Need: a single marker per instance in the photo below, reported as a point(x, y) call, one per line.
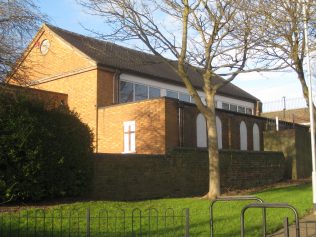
point(256, 137)
point(219, 133)
point(129, 137)
point(243, 136)
point(134, 89)
point(166, 86)
point(201, 132)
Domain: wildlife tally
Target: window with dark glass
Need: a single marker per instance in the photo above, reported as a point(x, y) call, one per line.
point(154, 92)
point(126, 92)
point(184, 97)
point(233, 108)
point(141, 92)
point(172, 94)
point(248, 111)
point(241, 109)
point(225, 106)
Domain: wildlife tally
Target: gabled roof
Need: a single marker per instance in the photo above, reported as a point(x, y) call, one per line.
point(132, 61)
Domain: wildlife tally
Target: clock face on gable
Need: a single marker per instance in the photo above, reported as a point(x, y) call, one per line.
point(45, 46)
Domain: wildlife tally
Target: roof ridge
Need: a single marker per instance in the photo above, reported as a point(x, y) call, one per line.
point(52, 27)
point(130, 60)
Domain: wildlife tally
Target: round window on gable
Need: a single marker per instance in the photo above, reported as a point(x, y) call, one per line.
point(45, 46)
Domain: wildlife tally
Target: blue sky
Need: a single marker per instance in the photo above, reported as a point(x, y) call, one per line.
point(267, 87)
point(68, 14)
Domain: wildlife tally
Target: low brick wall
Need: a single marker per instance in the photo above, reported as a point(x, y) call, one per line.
point(180, 173)
point(241, 170)
point(296, 147)
point(49, 98)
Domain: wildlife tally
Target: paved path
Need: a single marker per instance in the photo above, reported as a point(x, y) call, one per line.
point(307, 228)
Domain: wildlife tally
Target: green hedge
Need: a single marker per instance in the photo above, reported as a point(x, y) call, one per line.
point(44, 153)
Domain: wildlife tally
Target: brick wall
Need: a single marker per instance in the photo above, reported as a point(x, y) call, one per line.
point(158, 130)
point(106, 88)
point(50, 99)
point(81, 90)
point(295, 145)
point(230, 127)
point(149, 117)
point(61, 58)
point(172, 123)
point(180, 173)
point(66, 70)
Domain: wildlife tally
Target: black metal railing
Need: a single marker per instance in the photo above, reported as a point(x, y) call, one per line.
point(92, 223)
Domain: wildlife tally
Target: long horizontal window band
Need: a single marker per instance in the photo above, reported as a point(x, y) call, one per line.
point(130, 92)
point(235, 108)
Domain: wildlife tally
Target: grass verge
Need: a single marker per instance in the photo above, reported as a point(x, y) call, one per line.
point(162, 217)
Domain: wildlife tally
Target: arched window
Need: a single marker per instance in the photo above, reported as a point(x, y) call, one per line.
point(256, 137)
point(201, 138)
point(243, 136)
point(219, 132)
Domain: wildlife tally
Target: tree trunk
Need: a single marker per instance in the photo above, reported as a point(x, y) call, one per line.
point(213, 155)
point(301, 78)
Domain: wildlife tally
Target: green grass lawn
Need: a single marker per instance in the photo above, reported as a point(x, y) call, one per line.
point(107, 217)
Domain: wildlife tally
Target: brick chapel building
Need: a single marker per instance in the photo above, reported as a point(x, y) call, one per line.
point(132, 101)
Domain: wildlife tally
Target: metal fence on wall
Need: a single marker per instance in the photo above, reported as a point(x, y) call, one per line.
point(88, 223)
point(284, 104)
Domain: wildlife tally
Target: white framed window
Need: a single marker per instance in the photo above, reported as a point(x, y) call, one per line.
point(184, 97)
point(241, 109)
point(201, 134)
point(129, 137)
point(249, 111)
point(172, 94)
point(233, 107)
point(130, 91)
point(225, 106)
point(219, 132)
point(256, 137)
point(243, 136)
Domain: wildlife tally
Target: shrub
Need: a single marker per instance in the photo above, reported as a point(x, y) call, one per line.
point(44, 153)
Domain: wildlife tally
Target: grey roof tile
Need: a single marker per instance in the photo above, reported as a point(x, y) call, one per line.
point(129, 60)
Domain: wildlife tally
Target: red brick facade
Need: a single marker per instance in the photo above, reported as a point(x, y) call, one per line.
point(151, 125)
point(50, 99)
point(159, 129)
point(161, 124)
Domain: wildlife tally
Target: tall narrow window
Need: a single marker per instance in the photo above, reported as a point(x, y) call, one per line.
point(256, 137)
point(129, 137)
point(201, 139)
point(219, 132)
point(243, 136)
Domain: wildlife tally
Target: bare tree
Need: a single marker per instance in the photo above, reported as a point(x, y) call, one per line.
point(279, 24)
point(19, 20)
point(212, 37)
